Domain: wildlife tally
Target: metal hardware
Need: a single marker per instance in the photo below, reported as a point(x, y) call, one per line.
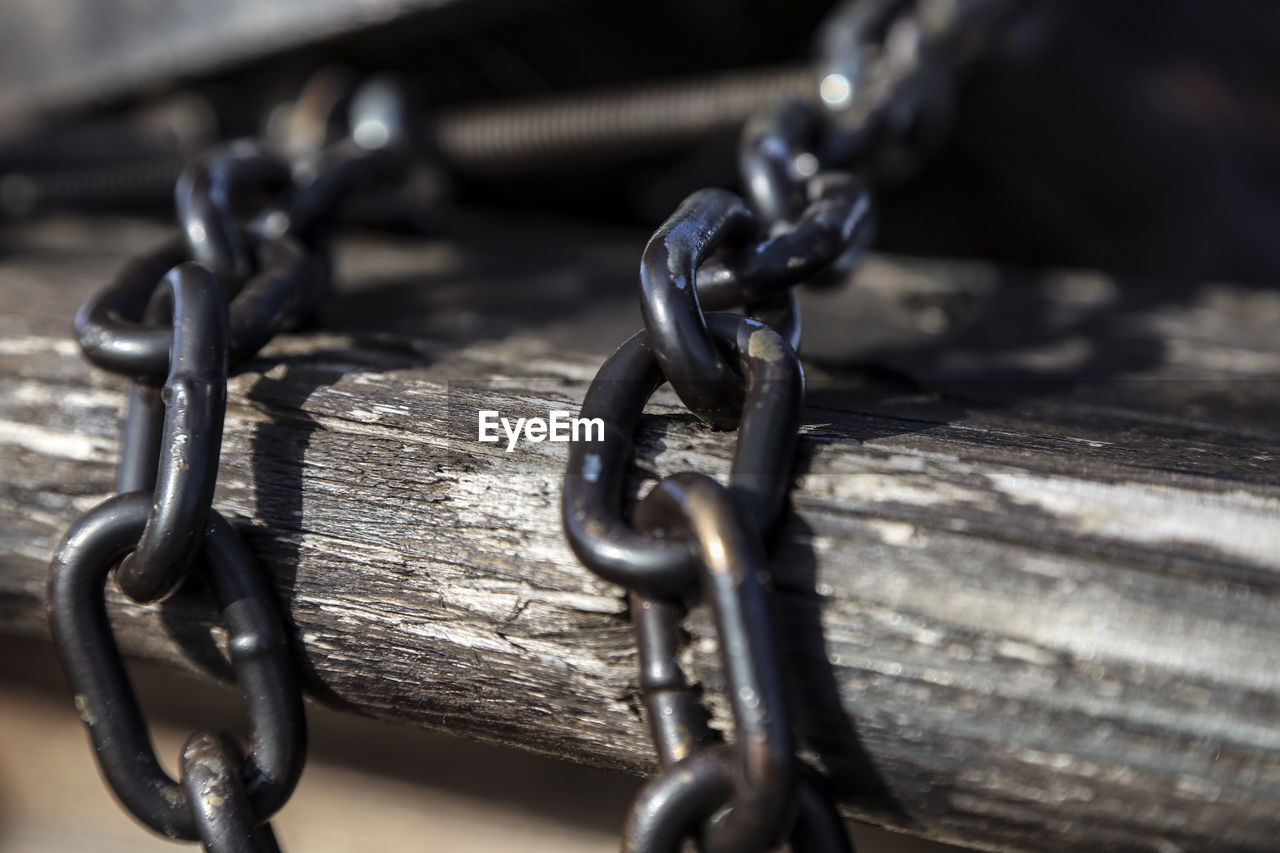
point(195, 397)
point(730, 557)
point(211, 768)
point(113, 335)
point(205, 197)
point(563, 130)
point(271, 269)
point(804, 223)
point(592, 498)
point(232, 280)
point(669, 300)
point(256, 643)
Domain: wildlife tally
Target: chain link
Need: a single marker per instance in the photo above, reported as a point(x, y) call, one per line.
point(256, 642)
point(185, 312)
point(691, 537)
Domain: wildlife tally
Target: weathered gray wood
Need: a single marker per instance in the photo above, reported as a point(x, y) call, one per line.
point(1029, 590)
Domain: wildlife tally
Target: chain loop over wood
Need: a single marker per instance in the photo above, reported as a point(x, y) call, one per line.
point(195, 401)
point(592, 498)
point(272, 270)
point(232, 281)
point(255, 640)
point(114, 334)
point(730, 558)
point(805, 222)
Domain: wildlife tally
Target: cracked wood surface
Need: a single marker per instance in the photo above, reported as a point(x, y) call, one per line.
point(1028, 592)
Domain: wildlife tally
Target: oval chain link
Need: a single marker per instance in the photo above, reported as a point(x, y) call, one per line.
point(255, 640)
point(592, 497)
point(195, 401)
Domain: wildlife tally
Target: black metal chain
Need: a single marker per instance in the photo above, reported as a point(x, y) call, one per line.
point(879, 67)
point(177, 318)
point(182, 314)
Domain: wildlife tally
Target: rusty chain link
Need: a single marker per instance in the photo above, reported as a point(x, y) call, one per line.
point(879, 66)
point(184, 313)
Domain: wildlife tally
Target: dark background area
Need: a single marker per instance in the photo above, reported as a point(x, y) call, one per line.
point(1138, 137)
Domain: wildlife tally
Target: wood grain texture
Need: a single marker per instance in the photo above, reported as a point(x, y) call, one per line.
point(1028, 593)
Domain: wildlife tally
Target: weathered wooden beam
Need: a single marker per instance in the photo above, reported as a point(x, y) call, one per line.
point(1029, 591)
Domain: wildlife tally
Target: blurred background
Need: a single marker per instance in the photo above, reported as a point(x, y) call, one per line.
point(1139, 137)
point(1133, 136)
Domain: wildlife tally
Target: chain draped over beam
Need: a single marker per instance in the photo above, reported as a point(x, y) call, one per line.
point(987, 641)
point(795, 687)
